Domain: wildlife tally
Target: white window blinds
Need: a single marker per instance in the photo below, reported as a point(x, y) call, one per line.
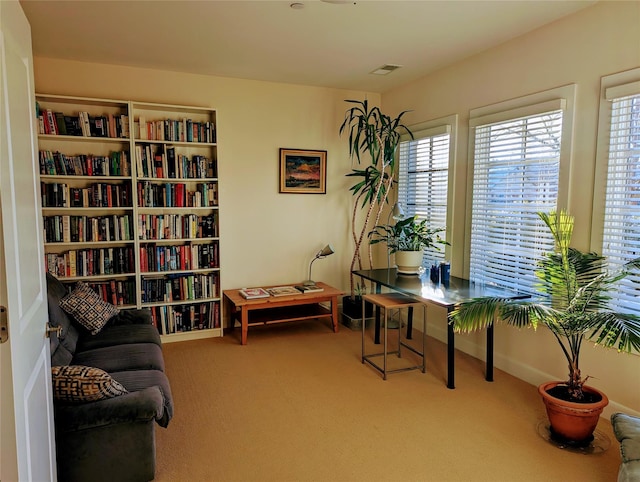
point(621, 236)
point(423, 179)
point(515, 175)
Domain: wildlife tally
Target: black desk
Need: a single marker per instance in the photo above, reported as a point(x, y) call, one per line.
point(447, 296)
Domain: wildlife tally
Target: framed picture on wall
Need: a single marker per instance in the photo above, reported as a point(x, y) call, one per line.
point(303, 171)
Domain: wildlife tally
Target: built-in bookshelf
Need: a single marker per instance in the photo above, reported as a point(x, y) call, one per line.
point(130, 206)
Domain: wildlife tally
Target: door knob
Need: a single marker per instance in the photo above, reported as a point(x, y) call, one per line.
point(53, 329)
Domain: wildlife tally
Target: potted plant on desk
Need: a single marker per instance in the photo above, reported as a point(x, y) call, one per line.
point(408, 239)
point(573, 305)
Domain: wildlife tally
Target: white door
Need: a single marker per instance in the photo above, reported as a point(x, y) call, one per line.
point(26, 410)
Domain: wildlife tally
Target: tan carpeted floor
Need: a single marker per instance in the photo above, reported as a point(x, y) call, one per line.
point(296, 404)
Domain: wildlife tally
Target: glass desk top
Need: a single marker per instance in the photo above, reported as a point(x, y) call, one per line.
point(442, 294)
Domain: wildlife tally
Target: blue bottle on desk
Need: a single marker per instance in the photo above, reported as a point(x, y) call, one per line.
point(435, 273)
point(445, 272)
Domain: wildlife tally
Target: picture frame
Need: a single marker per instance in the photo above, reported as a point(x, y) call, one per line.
point(303, 171)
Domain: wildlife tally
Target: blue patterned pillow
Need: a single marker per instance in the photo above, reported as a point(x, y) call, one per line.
point(87, 308)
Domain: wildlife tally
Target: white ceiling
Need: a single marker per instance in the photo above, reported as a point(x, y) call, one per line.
point(326, 43)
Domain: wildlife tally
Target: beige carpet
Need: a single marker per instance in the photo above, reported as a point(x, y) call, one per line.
point(296, 404)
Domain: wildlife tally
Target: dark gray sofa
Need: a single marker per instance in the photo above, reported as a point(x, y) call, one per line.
point(111, 439)
point(627, 430)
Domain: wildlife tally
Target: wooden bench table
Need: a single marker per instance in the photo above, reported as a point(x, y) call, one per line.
point(280, 309)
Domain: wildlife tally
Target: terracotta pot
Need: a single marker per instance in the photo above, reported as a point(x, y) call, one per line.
point(570, 421)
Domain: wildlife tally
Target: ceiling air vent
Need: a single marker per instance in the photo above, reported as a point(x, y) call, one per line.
point(385, 69)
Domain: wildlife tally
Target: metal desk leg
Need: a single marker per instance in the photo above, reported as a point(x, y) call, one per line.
point(364, 319)
point(386, 337)
point(409, 323)
point(450, 354)
point(424, 338)
point(376, 338)
point(489, 374)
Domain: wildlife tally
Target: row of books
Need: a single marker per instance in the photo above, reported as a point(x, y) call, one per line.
point(61, 195)
point(91, 262)
point(151, 227)
point(116, 292)
point(179, 130)
point(178, 258)
point(82, 229)
point(181, 318)
point(54, 194)
point(58, 164)
point(176, 226)
point(161, 164)
point(183, 287)
point(82, 124)
point(101, 195)
point(152, 195)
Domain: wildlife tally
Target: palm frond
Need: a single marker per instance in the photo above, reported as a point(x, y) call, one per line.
point(475, 314)
point(478, 313)
point(616, 330)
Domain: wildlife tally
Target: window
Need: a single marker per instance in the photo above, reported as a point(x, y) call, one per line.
point(517, 155)
point(621, 227)
point(423, 177)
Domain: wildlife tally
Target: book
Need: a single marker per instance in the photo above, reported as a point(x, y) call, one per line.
point(60, 124)
point(171, 162)
point(283, 291)
point(253, 293)
point(309, 288)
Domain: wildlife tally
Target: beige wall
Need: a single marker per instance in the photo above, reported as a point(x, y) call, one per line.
point(269, 237)
point(601, 40)
point(266, 237)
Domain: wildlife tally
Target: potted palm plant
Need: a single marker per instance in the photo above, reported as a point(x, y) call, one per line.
point(573, 303)
point(373, 140)
point(408, 238)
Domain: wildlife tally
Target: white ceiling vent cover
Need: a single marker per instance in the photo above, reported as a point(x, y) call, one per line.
point(385, 69)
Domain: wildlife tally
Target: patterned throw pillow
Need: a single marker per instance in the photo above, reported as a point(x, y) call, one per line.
point(88, 309)
point(77, 383)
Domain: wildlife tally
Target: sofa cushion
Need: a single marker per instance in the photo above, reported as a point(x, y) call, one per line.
point(137, 380)
point(88, 308)
point(79, 384)
point(132, 356)
point(60, 355)
point(626, 428)
point(132, 317)
point(119, 335)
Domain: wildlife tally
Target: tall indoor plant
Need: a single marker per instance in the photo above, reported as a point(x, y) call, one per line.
point(408, 237)
point(373, 141)
point(574, 305)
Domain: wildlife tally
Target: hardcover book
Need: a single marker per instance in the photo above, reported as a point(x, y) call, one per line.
point(252, 293)
point(283, 291)
point(309, 288)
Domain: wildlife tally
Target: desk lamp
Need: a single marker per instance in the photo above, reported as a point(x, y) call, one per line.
point(323, 253)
